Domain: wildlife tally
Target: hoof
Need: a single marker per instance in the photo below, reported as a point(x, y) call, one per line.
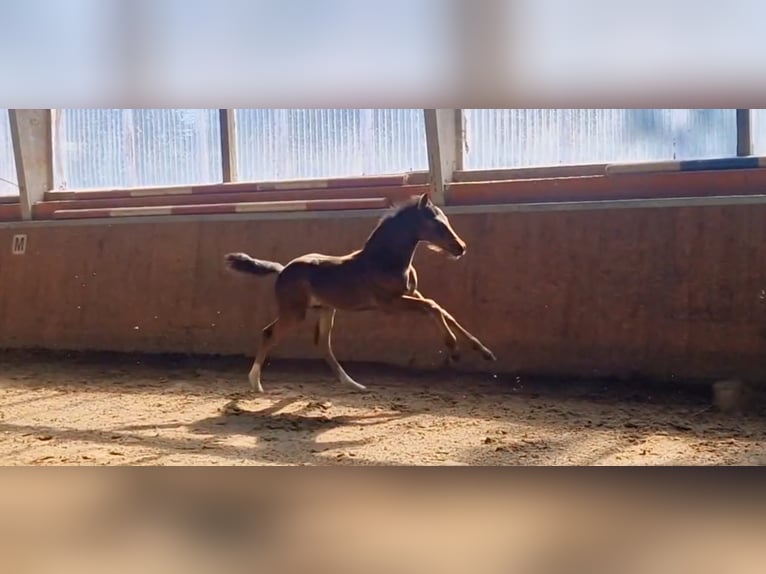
point(488, 355)
point(255, 379)
point(351, 382)
point(255, 387)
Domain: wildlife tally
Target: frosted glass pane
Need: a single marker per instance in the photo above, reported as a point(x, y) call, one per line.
point(136, 147)
point(759, 131)
point(275, 144)
point(506, 138)
point(8, 180)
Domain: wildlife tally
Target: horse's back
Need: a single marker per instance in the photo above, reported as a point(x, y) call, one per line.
point(329, 280)
point(318, 260)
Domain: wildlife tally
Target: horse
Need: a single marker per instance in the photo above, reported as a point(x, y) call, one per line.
point(379, 276)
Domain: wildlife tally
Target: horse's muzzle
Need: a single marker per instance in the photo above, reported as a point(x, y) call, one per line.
point(458, 250)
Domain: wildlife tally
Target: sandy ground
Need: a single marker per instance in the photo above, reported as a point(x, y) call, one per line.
point(128, 410)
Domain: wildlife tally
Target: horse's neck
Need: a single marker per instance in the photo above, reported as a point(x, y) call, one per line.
point(390, 249)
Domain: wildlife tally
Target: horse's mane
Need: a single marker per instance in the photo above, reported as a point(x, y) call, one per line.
point(393, 212)
point(397, 209)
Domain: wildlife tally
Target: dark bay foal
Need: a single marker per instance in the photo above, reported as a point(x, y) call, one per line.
point(378, 276)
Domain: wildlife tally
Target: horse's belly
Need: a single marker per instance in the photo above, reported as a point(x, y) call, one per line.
point(348, 286)
point(343, 299)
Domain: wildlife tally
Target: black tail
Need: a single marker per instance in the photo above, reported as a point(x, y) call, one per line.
point(245, 264)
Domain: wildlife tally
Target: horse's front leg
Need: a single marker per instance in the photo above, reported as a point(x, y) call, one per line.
point(410, 303)
point(452, 322)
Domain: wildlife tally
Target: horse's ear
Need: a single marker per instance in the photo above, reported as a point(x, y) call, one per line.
point(424, 202)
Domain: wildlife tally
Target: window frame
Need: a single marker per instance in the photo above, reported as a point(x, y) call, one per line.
point(460, 187)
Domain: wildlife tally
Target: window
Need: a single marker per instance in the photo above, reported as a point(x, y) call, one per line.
point(508, 138)
point(124, 148)
point(8, 181)
point(108, 148)
point(274, 144)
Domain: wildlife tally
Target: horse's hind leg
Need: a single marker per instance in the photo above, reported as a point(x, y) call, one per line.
point(271, 335)
point(324, 338)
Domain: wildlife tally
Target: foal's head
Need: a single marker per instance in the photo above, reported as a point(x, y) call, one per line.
point(433, 227)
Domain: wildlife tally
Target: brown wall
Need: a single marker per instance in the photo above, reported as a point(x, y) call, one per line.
point(671, 291)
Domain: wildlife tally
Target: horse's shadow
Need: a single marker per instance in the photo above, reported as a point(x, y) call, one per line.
point(270, 418)
point(287, 437)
